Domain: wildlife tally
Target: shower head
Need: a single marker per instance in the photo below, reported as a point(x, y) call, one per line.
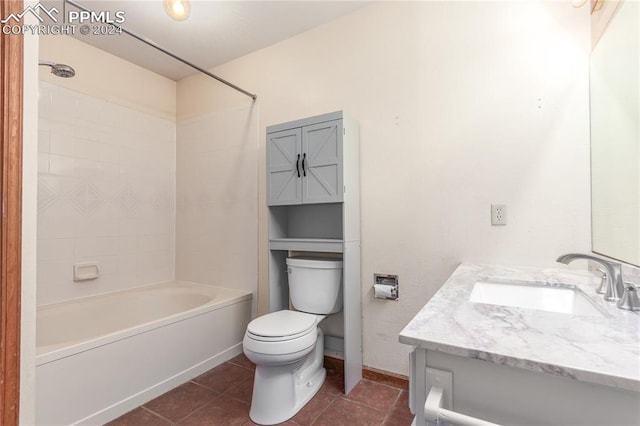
point(59, 70)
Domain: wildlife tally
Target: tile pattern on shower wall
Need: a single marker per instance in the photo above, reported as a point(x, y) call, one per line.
point(217, 192)
point(106, 191)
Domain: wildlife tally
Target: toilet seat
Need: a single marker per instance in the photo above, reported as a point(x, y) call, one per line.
point(279, 338)
point(282, 326)
point(282, 334)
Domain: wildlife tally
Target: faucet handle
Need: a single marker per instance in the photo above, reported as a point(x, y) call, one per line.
point(629, 300)
point(603, 283)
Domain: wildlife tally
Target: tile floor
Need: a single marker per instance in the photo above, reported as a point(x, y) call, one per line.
point(222, 396)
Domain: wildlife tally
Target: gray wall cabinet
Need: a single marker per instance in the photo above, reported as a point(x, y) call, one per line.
point(304, 164)
point(313, 186)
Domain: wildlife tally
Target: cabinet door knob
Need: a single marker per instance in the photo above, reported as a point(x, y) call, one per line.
point(298, 165)
point(304, 156)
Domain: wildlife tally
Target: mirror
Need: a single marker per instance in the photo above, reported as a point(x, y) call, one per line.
point(615, 136)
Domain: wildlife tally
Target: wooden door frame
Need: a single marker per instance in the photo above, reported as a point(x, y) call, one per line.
point(11, 90)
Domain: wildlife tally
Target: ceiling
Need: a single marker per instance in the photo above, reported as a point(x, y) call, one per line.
point(215, 33)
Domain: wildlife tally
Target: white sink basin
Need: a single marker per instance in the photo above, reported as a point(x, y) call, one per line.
point(561, 300)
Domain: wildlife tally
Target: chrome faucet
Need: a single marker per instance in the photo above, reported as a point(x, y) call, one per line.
point(615, 285)
point(630, 300)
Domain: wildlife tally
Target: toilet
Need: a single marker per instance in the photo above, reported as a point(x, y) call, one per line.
point(288, 346)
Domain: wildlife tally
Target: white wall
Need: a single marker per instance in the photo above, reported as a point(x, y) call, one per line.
point(460, 105)
point(106, 173)
point(217, 198)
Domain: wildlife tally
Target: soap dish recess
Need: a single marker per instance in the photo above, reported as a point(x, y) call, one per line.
point(86, 271)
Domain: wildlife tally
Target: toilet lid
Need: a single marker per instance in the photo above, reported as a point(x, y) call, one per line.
point(282, 324)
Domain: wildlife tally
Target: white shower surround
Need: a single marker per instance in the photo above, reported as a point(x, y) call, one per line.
point(106, 193)
point(217, 197)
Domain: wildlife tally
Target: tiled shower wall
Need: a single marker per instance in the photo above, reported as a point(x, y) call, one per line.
point(217, 196)
point(106, 191)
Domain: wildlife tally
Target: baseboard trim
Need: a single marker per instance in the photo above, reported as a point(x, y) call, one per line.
point(392, 379)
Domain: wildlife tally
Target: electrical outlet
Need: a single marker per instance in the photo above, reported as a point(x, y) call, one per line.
point(498, 214)
point(442, 379)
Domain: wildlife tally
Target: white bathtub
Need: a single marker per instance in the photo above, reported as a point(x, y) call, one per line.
point(99, 357)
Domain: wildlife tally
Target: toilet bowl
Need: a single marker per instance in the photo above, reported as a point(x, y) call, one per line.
point(288, 346)
point(289, 368)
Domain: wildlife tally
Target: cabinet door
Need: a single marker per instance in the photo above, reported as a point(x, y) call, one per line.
point(284, 167)
point(322, 160)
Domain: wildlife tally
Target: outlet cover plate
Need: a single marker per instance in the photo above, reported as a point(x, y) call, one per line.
point(498, 214)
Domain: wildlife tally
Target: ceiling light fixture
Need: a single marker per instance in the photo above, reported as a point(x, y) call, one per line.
point(578, 3)
point(177, 9)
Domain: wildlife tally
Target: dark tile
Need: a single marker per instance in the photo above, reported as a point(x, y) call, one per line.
point(223, 377)
point(139, 417)
point(222, 396)
point(342, 412)
point(333, 384)
point(223, 411)
point(401, 406)
point(400, 415)
point(314, 408)
point(375, 395)
point(393, 420)
point(243, 391)
point(181, 401)
point(242, 361)
point(287, 423)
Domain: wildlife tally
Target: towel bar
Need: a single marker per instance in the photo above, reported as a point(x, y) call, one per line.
point(433, 412)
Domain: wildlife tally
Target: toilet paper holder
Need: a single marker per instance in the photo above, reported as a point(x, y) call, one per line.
point(385, 286)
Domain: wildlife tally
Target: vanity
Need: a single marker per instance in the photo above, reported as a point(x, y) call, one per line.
point(569, 359)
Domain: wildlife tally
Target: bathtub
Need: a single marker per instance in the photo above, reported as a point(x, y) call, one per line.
point(99, 357)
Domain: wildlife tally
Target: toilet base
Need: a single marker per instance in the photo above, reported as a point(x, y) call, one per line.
point(279, 392)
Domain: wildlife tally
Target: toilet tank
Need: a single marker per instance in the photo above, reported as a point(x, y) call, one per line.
point(315, 284)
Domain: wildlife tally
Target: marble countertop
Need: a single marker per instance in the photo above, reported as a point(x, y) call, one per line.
point(603, 350)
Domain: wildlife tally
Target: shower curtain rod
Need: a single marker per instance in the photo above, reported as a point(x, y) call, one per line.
point(165, 51)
